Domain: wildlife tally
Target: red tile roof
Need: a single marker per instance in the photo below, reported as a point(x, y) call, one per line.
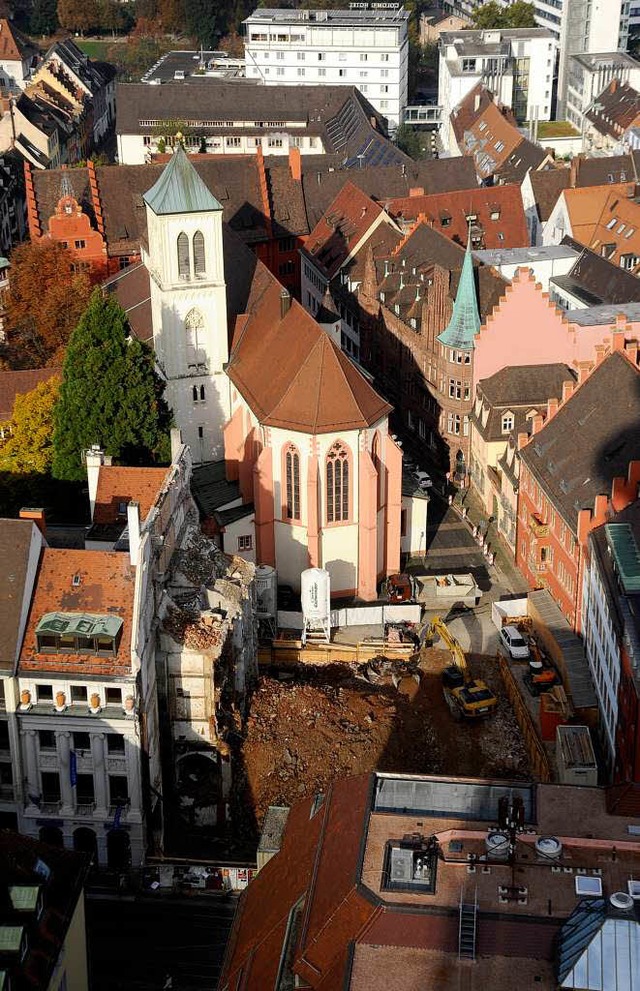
point(345, 222)
point(499, 212)
point(14, 384)
point(13, 46)
point(117, 485)
point(291, 373)
point(106, 586)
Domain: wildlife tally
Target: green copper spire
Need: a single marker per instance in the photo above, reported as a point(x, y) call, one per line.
point(465, 319)
point(180, 189)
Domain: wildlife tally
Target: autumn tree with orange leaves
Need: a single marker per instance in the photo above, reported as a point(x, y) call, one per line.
point(45, 301)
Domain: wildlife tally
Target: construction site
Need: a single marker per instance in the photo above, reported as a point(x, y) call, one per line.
point(310, 725)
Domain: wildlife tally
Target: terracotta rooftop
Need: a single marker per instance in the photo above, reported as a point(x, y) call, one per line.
point(14, 47)
point(104, 584)
point(18, 383)
point(329, 908)
point(603, 412)
point(117, 485)
point(615, 109)
point(310, 384)
point(346, 222)
point(500, 221)
point(606, 219)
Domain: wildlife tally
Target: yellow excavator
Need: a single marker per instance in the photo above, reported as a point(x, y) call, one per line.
point(465, 696)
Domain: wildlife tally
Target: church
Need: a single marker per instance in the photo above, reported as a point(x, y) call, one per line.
point(309, 475)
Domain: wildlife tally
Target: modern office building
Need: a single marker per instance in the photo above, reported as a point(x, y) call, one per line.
point(365, 46)
point(516, 65)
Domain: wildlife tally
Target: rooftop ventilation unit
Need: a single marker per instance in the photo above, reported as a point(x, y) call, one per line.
point(548, 847)
point(621, 900)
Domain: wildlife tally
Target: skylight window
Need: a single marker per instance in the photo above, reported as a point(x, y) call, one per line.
point(612, 223)
point(588, 887)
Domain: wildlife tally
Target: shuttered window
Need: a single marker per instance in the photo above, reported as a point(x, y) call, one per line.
point(183, 256)
point(198, 255)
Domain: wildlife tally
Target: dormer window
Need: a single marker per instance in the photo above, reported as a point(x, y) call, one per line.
point(507, 422)
point(78, 633)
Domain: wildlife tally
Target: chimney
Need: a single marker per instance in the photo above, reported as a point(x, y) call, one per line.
point(523, 440)
point(601, 353)
point(133, 524)
point(614, 86)
point(416, 191)
point(38, 517)
point(176, 444)
point(552, 408)
point(537, 423)
point(574, 171)
point(285, 302)
point(567, 390)
point(94, 459)
point(476, 102)
point(295, 164)
point(584, 370)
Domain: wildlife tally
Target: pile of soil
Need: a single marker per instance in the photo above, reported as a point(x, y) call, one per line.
point(330, 722)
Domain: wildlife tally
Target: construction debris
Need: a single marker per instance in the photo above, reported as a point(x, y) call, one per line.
point(340, 720)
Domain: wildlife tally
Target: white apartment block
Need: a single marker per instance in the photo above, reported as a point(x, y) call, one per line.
point(365, 46)
point(578, 26)
point(588, 75)
point(517, 65)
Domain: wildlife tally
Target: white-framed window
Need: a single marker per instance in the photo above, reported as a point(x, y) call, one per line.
point(507, 422)
point(245, 543)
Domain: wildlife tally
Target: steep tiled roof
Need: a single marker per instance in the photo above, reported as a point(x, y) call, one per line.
point(105, 585)
point(520, 389)
point(15, 544)
point(547, 185)
point(605, 216)
point(615, 109)
point(500, 222)
point(18, 383)
point(346, 221)
point(180, 189)
point(596, 280)
point(310, 384)
point(591, 439)
point(117, 485)
point(133, 291)
point(14, 47)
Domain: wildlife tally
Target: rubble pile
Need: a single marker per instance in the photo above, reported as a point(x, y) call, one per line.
point(320, 724)
point(197, 631)
point(199, 559)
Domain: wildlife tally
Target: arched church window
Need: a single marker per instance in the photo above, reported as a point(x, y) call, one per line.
point(202, 394)
point(198, 255)
point(338, 483)
point(184, 271)
point(195, 335)
point(194, 393)
point(292, 483)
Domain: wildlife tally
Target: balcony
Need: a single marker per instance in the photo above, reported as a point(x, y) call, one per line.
point(537, 525)
point(50, 808)
point(85, 808)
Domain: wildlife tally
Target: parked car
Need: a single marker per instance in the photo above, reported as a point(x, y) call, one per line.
point(423, 479)
point(514, 643)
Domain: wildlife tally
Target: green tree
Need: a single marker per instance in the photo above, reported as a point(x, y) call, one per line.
point(110, 395)
point(491, 15)
point(409, 141)
point(28, 448)
point(45, 301)
point(520, 15)
point(78, 15)
point(44, 17)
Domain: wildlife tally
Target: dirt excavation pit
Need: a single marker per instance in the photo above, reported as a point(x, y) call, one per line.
point(329, 722)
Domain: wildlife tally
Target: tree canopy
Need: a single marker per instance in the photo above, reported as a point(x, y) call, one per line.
point(44, 17)
point(28, 449)
point(491, 15)
point(110, 395)
point(44, 303)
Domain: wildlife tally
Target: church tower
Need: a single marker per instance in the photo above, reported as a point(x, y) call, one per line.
point(185, 261)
